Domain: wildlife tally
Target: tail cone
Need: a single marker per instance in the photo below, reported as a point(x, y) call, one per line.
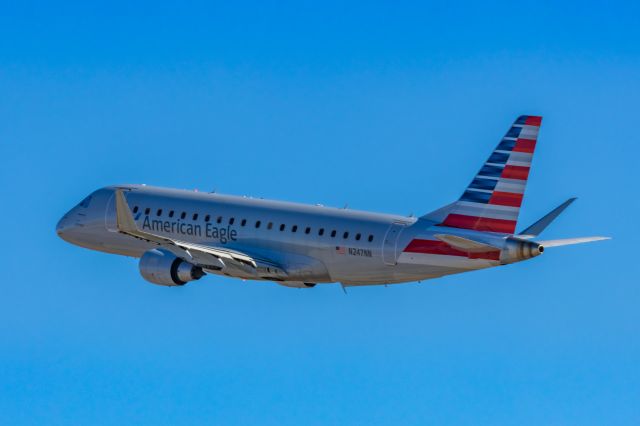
point(516, 250)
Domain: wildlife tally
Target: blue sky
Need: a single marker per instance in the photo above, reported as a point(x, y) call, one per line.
point(386, 107)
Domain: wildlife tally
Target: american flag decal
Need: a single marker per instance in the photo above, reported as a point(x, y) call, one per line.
point(340, 250)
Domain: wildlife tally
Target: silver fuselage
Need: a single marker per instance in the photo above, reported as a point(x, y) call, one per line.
point(313, 243)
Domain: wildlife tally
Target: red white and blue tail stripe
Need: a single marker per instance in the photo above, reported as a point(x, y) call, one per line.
point(492, 201)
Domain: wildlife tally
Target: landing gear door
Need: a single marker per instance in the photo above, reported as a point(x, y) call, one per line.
point(390, 243)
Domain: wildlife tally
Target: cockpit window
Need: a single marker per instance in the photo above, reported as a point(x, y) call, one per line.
point(85, 203)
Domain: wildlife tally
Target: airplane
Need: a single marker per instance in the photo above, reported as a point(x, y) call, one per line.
point(180, 235)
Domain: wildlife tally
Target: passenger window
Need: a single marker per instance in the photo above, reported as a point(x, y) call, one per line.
point(321, 232)
point(219, 219)
point(231, 220)
point(170, 213)
point(159, 212)
point(135, 209)
point(294, 228)
point(243, 222)
point(147, 210)
point(307, 230)
point(258, 224)
point(370, 238)
point(183, 215)
point(345, 235)
point(358, 237)
point(333, 233)
point(282, 227)
point(269, 226)
point(207, 218)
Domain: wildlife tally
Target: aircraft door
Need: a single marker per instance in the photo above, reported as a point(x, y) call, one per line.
point(110, 215)
point(390, 243)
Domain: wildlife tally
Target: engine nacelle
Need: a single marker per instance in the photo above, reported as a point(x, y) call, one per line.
point(162, 267)
point(516, 250)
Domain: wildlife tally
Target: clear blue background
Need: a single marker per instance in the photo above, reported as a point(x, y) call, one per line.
point(388, 107)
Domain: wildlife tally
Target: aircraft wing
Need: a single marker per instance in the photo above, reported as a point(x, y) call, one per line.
point(213, 258)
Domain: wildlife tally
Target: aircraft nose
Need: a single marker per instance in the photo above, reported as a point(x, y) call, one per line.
point(60, 227)
point(79, 224)
point(65, 227)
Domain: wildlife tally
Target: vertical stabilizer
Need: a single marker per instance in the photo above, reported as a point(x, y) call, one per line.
point(492, 201)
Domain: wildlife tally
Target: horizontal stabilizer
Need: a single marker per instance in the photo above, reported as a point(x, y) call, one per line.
point(465, 244)
point(570, 241)
point(537, 228)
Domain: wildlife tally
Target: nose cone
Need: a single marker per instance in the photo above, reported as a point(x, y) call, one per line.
point(64, 228)
point(83, 224)
point(70, 226)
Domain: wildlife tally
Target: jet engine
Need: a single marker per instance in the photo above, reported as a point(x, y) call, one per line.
point(162, 267)
point(516, 249)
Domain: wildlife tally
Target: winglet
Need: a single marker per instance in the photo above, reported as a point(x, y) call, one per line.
point(124, 219)
point(537, 228)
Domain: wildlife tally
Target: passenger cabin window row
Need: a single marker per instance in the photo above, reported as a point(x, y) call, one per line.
point(243, 222)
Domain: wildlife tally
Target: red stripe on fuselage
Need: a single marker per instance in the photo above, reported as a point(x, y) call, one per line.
point(442, 248)
point(476, 223)
point(506, 199)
